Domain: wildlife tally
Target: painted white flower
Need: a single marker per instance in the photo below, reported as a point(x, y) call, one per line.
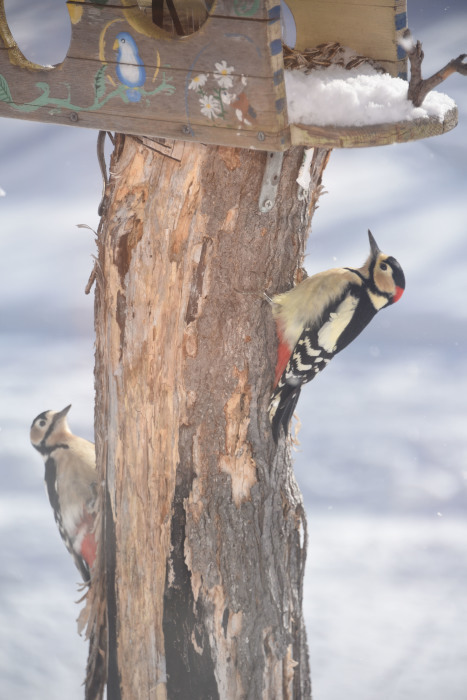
point(223, 77)
point(198, 81)
point(210, 107)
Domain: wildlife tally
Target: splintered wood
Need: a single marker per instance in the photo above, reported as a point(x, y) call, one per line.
point(203, 517)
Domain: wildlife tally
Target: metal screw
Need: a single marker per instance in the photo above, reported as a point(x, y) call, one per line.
point(267, 205)
point(73, 117)
point(186, 129)
point(261, 136)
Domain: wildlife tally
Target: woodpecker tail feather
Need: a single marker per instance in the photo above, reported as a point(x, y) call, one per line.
point(282, 407)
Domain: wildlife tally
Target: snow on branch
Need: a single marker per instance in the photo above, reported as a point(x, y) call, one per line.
point(418, 87)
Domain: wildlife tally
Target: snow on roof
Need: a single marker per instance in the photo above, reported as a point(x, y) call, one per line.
point(336, 96)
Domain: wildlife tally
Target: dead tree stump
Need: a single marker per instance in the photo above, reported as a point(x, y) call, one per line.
point(205, 533)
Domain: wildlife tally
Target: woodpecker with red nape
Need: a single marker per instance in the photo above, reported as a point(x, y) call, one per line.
point(71, 483)
point(320, 317)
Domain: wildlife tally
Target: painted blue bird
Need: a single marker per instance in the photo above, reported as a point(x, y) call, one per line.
point(130, 68)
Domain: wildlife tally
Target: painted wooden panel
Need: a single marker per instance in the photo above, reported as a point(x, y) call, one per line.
point(123, 70)
point(169, 94)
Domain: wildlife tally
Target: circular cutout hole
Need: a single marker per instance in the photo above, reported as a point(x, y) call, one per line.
point(178, 17)
point(289, 29)
point(42, 29)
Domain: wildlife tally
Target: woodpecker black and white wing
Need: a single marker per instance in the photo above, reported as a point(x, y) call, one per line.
point(306, 305)
point(61, 518)
point(341, 322)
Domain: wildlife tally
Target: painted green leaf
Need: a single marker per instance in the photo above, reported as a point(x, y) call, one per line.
point(45, 87)
point(246, 8)
point(99, 82)
point(5, 94)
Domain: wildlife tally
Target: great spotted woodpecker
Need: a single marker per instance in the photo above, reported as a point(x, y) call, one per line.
point(71, 483)
point(320, 317)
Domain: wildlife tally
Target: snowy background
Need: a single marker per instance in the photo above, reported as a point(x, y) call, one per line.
point(383, 456)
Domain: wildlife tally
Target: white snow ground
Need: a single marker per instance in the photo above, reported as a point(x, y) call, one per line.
point(41, 655)
point(386, 607)
point(383, 457)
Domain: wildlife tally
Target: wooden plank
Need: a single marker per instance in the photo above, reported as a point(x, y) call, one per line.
point(145, 126)
point(254, 9)
point(243, 43)
point(166, 107)
point(248, 9)
point(395, 4)
point(372, 135)
point(168, 97)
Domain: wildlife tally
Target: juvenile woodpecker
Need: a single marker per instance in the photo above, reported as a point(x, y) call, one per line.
point(71, 483)
point(320, 317)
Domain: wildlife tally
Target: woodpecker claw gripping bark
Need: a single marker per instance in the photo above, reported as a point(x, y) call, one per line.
point(71, 483)
point(320, 317)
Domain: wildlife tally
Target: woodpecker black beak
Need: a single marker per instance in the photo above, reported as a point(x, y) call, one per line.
point(373, 245)
point(62, 413)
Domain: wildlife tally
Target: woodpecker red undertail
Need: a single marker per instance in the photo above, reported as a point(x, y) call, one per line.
point(71, 483)
point(320, 317)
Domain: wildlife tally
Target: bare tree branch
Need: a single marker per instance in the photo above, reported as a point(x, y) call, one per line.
point(418, 87)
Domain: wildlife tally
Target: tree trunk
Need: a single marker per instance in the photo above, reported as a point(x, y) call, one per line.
point(205, 533)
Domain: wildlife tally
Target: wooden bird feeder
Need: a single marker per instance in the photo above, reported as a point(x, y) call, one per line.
point(135, 68)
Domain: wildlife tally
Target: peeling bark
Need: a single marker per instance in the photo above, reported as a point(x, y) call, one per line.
point(205, 533)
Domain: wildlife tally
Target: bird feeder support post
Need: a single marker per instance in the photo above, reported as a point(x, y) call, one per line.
point(203, 564)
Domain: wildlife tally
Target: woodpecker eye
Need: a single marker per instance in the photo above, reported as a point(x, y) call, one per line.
point(383, 266)
point(42, 423)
